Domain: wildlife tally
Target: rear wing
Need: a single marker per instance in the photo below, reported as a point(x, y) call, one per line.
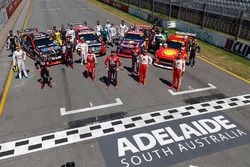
point(185, 33)
point(27, 31)
point(144, 26)
point(84, 24)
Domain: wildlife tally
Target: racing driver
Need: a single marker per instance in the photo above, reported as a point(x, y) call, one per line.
point(90, 64)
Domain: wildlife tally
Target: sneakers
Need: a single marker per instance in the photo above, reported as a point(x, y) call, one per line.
point(28, 77)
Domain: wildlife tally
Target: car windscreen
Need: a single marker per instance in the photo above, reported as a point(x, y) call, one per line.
point(89, 37)
point(175, 45)
point(134, 37)
point(43, 42)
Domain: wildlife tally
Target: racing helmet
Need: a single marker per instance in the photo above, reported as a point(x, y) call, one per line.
point(15, 68)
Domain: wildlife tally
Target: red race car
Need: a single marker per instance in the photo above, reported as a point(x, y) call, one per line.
point(165, 55)
point(134, 38)
point(94, 42)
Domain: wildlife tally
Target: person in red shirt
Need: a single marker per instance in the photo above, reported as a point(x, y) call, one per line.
point(144, 62)
point(91, 61)
point(112, 64)
point(178, 70)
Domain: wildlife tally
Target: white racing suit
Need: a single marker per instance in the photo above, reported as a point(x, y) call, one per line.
point(18, 59)
point(84, 50)
point(122, 30)
point(72, 35)
point(98, 29)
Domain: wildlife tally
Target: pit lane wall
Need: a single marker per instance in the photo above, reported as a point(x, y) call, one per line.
point(216, 39)
point(6, 13)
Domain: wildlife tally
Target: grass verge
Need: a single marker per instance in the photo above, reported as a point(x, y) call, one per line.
point(224, 59)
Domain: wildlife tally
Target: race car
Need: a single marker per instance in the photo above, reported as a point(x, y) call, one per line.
point(33, 42)
point(94, 42)
point(132, 40)
point(164, 56)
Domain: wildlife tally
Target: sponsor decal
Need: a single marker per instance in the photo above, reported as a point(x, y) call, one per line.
point(172, 142)
point(169, 52)
point(237, 47)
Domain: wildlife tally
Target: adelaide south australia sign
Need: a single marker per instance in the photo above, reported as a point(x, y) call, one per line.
point(172, 142)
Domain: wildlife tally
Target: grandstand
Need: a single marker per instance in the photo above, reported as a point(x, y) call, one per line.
point(226, 7)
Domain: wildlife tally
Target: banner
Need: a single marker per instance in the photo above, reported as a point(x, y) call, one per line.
point(238, 47)
point(3, 17)
point(12, 7)
point(138, 13)
point(120, 6)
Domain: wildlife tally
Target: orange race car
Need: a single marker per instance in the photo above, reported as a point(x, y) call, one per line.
point(165, 55)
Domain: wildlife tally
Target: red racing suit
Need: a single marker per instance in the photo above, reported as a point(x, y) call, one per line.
point(144, 62)
point(112, 63)
point(90, 64)
point(178, 70)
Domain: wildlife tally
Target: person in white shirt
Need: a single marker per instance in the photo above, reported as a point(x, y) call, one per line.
point(112, 32)
point(178, 70)
point(108, 25)
point(19, 56)
point(98, 28)
point(72, 34)
point(83, 47)
point(144, 62)
point(122, 29)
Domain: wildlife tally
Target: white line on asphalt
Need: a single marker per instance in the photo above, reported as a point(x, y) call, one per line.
point(91, 105)
point(70, 136)
point(193, 166)
point(52, 9)
point(117, 103)
point(193, 90)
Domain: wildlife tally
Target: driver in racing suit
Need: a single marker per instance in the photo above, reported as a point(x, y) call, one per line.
point(12, 41)
point(19, 56)
point(90, 64)
point(144, 62)
point(63, 33)
point(72, 34)
point(178, 70)
point(82, 46)
point(68, 53)
point(122, 30)
point(112, 64)
point(98, 28)
point(158, 39)
point(42, 63)
point(135, 66)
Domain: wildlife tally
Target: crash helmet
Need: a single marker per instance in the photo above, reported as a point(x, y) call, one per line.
point(15, 68)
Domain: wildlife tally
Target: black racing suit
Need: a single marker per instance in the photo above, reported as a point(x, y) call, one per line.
point(63, 35)
point(68, 53)
point(194, 49)
point(12, 41)
point(43, 64)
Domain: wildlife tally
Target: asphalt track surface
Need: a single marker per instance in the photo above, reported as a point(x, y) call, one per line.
point(30, 111)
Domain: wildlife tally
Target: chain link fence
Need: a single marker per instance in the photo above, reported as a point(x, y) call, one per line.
point(4, 3)
point(227, 16)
